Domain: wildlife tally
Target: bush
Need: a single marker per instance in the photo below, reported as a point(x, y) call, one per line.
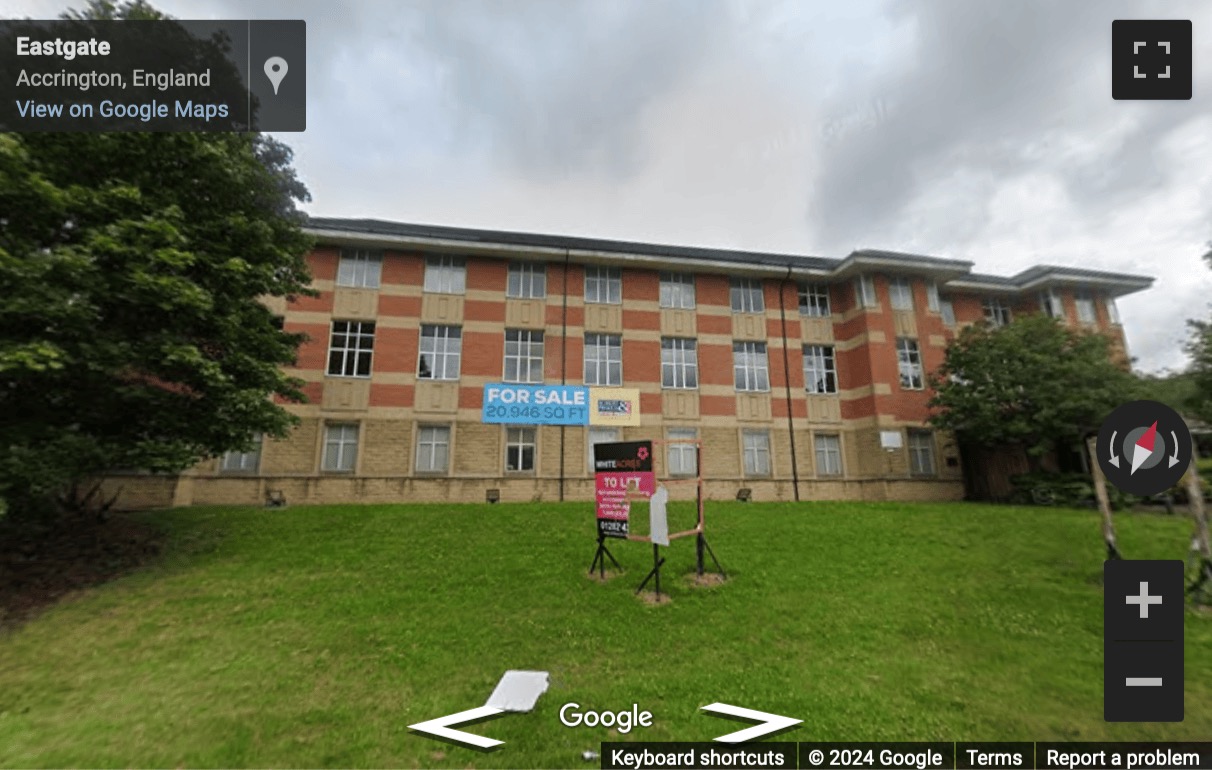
point(1069, 490)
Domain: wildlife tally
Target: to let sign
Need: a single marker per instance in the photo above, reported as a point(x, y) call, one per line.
point(620, 469)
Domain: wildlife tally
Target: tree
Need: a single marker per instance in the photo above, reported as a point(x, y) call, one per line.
point(1199, 347)
point(131, 269)
point(1031, 383)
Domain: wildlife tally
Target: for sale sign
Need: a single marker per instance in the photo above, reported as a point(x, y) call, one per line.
point(621, 470)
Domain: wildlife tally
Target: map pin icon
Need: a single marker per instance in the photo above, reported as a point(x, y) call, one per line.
point(275, 70)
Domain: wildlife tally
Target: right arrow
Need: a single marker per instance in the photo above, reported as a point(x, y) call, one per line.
point(1174, 458)
point(769, 722)
point(1114, 457)
point(440, 727)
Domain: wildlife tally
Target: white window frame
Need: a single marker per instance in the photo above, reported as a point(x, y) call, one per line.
point(750, 367)
point(679, 363)
point(526, 280)
point(340, 447)
point(827, 448)
point(1083, 305)
point(444, 347)
point(932, 299)
point(236, 461)
point(603, 356)
point(746, 295)
point(909, 364)
point(814, 300)
point(677, 291)
point(445, 274)
point(1112, 309)
point(598, 435)
point(900, 293)
point(355, 353)
point(864, 292)
point(1050, 304)
point(523, 356)
point(431, 438)
point(603, 285)
point(820, 369)
point(360, 269)
point(921, 447)
point(946, 309)
point(681, 459)
point(519, 438)
point(997, 313)
point(755, 450)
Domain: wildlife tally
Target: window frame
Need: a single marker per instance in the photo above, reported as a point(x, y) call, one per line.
point(932, 297)
point(351, 357)
point(814, 299)
point(916, 449)
point(1051, 304)
point(444, 355)
point(825, 355)
point(946, 311)
point(757, 453)
point(681, 450)
point(530, 277)
point(606, 279)
point(830, 451)
point(341, 443)
point(1085, 297)
point(996, 312)
point(590, 442)
point(365, 269)
point(1112, 309)
point(518, 357)
point(746, 295)
point(521, 445)
point(421, 442)
point(864, 292)
point(241, 467)
point(684, 352)
point(613, 358)
point(900, 293)
point(444, 274)
point(756, 372)
point(907, 348)
point(674, 290)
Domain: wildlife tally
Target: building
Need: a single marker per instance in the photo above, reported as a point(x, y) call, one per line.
point(804, 377)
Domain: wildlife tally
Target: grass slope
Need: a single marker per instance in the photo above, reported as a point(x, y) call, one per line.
point(312, 637)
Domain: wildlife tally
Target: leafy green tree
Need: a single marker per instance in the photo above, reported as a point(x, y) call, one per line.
point(1031, 383)
point(132, 334)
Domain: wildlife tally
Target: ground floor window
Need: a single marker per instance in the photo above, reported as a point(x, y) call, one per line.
point(243, 462)
point(520, 446)
point(757, 452)
point(340, 447)
point(600, 436)
point(682, 458)
point(921, 453)
point(828, 455)
point(433, 448)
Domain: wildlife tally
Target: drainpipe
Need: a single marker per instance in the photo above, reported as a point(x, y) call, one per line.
point(563, 363)
point(795, 473)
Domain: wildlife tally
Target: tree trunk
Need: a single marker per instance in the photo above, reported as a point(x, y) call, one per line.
point(1104, 504)
point(1200, 542)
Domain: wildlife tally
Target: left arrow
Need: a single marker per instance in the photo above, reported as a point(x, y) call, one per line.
point(769, 722)
point(440, 727)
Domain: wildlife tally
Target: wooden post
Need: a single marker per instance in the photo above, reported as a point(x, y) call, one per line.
point(1200, 542)
point(1104, 504)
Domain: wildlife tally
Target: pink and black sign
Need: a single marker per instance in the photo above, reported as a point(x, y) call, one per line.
point(621, 470)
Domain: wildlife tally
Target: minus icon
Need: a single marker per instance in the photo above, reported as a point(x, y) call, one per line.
point(1143, 681)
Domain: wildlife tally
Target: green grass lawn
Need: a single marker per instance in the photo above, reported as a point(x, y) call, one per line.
point(312, 637)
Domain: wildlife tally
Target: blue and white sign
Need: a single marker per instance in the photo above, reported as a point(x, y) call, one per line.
point(536, 404)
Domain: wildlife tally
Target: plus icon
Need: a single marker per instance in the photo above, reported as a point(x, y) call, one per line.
point(1144, 600)
point(1151, 59)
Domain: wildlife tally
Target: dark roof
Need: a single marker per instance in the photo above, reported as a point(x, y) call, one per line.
point(950, 269)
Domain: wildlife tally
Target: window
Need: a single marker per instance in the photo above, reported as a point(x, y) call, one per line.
point(603, 285)
point(900, 291)
point(756, 445)
point(1112, 309)
point(1083, 301)
point(350, 348)
point(600, 436)
point(603, 359)
point(523, 355)
point(820, 372)
point(360, 268)
point(814, 300)
point(679, 363)
point(677, 290)
point(340, 447)
point(527, 280)
point(445, 275)
point(519, 449)
point(746, 295)
point(441, 350)
point(433, 448)
point(682, 458)
point(864, 292)
point(932, 296)
point(997, 313)
point(1050, 304)
point(909, 361)
point(921, 453)
point(236, 461)
point(947, 311)
point(749, 366)
point(828, 455)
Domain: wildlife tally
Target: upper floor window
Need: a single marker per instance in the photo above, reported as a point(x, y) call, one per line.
point(603, 359)
point(677, 290)
point(523, 356)
point(997, 312)
point(1112, 309)
point(750, 367)
point(679, 363)
point(900, 292)
point(527, 280)
point(820, 372)
point(1083, 302)
point(1050, 304)
point(814, 300)
point(446, 275)
point(441, 350)
point(350, 348)
point(603, 285)
point(932, 301)
point(947, 310)
point(864, 292)
point(746, 295)
point(360, 268)
point(909, 363)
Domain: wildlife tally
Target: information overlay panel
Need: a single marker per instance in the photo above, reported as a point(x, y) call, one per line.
point(168, 75)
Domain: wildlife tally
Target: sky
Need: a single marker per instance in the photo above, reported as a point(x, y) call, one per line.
point(972, 129)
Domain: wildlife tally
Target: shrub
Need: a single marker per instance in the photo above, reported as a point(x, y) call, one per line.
point(1071, 490)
